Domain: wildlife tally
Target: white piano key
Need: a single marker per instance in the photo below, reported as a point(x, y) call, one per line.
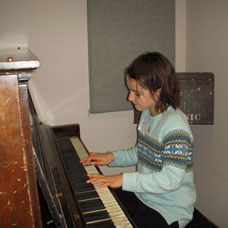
point(81, 151)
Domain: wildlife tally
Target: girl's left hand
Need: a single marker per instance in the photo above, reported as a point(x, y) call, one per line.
point(114, 181)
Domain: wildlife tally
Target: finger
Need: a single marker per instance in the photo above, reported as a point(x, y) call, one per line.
point(84, 160)
point(93, 160)
point(104, 185)
point(89, 181)
point(92, 153)
point(96, 163)
point(94, 181)
point(87, 160)
point(96, 178)
point(94, 175)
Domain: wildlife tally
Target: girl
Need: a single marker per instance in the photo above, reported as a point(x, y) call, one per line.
point(161, 193)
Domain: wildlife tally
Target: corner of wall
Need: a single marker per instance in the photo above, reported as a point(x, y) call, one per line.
point(180, 31)
point(43, 114)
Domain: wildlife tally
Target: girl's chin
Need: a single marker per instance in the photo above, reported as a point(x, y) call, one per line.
point(138, 108)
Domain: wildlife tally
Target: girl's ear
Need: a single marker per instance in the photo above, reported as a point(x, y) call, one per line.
point(158, 92)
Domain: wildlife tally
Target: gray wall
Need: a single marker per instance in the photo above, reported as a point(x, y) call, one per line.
point(207, 49)
point(119, 31)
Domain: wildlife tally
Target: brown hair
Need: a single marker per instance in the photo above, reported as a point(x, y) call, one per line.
point(154, 71)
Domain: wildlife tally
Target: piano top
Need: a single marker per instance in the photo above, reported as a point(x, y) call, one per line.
point(18, 59)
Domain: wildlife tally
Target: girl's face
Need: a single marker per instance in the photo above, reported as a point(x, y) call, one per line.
point(141, 97)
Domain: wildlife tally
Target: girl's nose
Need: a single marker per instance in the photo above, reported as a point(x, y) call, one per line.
point(131, 96)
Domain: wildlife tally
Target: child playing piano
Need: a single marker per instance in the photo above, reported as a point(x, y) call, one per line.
point(161, 193)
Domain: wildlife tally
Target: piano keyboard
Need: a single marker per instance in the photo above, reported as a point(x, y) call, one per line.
point(99, 207)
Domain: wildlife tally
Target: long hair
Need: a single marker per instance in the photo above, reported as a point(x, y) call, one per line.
point(154, 71)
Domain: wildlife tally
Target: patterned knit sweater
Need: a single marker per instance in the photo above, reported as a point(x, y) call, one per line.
point(164, 158)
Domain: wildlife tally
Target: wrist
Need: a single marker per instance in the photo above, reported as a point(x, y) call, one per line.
point(111, 155)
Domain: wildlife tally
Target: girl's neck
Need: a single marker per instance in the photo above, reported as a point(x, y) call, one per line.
point(153, 112)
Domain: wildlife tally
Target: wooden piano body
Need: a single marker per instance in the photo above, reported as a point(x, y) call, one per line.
point(39, 164)
point(18, 192)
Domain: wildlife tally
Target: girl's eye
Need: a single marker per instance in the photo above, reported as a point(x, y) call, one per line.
point(137, 94)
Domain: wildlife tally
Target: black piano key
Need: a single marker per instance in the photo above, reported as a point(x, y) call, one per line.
point(87, 195)
point(82, 188)
point(66, 147)
point(81, 184)
point(77, 173)
point(79, 179)
point(95, 216)
point(76, 167)
point(102, 224)
point(70, 161)
point(91, 205)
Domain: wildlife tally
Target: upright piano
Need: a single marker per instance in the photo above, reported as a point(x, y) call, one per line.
point(42, 182)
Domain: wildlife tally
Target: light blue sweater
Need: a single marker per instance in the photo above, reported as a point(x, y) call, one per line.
point(163, 155)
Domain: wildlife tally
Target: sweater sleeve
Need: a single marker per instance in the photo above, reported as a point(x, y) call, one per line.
point(123, 158)
point(169, 179)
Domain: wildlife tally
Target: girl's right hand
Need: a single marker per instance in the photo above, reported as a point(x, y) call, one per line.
point(98, 158)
